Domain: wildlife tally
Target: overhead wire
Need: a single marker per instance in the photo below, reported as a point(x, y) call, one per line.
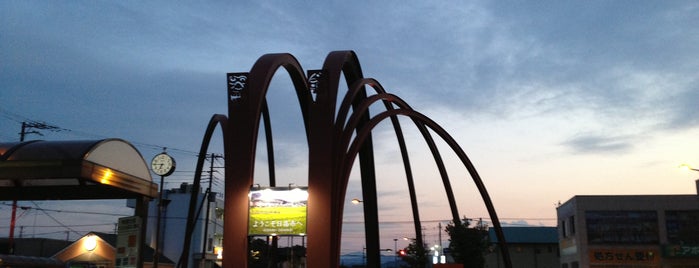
point(19, 119)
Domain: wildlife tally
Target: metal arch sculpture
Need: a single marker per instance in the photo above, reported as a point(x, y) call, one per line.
point(422, 121)
point(217, 119)
point(244, 108)
point(331, 153)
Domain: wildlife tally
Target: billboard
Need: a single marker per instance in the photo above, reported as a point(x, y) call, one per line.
point(127, 246)
point(277, 211)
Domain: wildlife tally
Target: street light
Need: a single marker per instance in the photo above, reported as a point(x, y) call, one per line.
point(687, 167)
point(395, 249)
point(356, 201)
point(690, 168)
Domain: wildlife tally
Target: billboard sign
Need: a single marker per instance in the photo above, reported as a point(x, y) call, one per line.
point(127, 246)
point(277, 211)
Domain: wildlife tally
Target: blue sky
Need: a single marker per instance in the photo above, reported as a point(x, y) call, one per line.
point(549, 99)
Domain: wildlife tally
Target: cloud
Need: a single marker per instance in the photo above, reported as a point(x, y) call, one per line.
point(599, 144)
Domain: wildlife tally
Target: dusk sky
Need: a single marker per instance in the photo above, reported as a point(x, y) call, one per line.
point(549, 99)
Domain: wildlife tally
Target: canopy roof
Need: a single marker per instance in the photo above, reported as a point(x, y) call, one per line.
point(92, 169)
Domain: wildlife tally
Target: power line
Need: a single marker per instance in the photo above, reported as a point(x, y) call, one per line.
point(69, 225)
point(72, 211)
point(22, 119)
point(57, 221)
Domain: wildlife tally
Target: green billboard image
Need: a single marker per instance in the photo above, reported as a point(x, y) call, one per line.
point(277, 211)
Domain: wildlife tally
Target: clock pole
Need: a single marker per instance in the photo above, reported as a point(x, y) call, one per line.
point(156, 256)
point(163, 165)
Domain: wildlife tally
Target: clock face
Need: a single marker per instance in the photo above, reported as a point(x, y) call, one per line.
point(163, 164)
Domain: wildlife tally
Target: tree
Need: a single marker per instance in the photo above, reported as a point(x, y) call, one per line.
point(258, 255)
point(468, 245)
point(415, 255)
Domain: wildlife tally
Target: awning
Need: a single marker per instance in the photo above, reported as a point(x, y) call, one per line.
point(55, 170)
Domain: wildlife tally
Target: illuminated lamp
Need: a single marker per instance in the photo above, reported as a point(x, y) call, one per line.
point(90, 243)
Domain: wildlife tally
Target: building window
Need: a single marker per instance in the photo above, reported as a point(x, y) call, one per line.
point(622, 227)
point(572, 225)
point(563, 229)
point(682, 227)
point(564, 265)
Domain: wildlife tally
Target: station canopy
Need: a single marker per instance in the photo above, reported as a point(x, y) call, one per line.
point(73, 170)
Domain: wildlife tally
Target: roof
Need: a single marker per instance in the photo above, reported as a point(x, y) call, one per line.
point(29, 261)
point(74, 251)
point(526, 235)
point(86, 169)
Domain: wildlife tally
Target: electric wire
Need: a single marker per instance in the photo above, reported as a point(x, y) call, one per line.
point(57, 221)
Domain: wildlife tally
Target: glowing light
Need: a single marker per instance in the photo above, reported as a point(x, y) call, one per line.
point(106, 177)
point(356, 201)
point(219, 252)
point(686, 167)
point(90, 243)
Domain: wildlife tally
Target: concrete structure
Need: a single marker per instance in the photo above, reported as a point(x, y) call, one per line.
point(174, 223)
point(528, 247)
point(629, 231)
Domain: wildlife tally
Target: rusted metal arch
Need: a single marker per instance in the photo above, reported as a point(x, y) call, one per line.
point(196, 184)
point(422, 119)
point(387, 99)
point(425, 133)
point(342, 115)
point(216, 119)
point(244, 117)
point(321, 165)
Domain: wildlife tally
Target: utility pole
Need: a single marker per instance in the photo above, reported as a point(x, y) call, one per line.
point(206, 199)
point(26, 129)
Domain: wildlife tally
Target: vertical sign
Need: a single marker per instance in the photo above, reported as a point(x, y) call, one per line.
point(314, 80)
point(237, 82)
point(127, 246)
point(277, 211)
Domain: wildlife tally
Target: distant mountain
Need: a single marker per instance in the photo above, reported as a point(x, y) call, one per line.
point(358, 259)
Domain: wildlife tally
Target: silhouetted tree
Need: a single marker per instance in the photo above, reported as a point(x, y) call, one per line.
point(258, 255)
point(416, 255)
point(468, 245)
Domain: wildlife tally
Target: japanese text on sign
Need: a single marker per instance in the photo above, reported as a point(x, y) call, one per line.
point(278, 211)
point(623, 256)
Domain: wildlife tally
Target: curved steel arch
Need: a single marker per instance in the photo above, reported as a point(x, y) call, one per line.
point(422, 119)
point(387, 98)
point(328, 155)
point(324, 191)
point(216, 119)
point(244, 114)
point(344, 108)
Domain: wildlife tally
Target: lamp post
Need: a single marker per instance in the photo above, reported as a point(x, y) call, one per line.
point(395, 249)
point(690, 168)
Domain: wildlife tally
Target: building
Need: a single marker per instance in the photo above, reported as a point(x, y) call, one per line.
point(94, 250)
point(206, 240)
point(629, 231)
point(528, 247)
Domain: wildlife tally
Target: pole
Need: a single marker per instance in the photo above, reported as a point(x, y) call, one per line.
point(208, 211)
point(156, 255)
point(440, 241)
point(395, 252)
point(11, 238)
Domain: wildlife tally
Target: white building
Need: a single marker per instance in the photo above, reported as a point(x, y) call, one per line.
point(174, 221)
